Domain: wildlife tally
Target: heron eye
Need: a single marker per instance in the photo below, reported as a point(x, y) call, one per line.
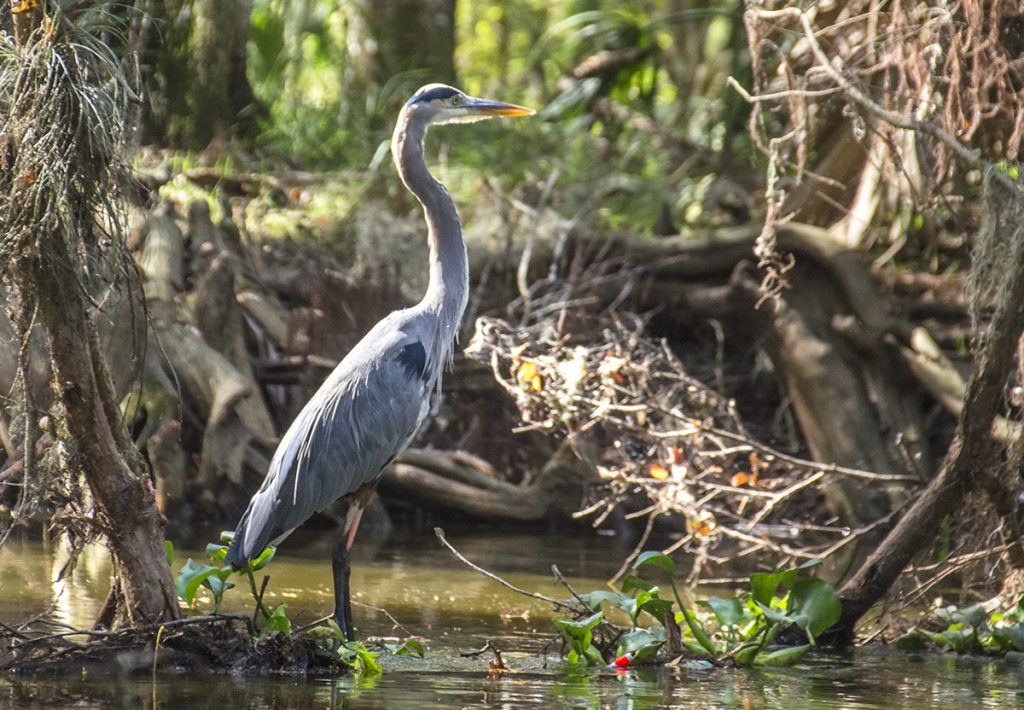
point(456, 100)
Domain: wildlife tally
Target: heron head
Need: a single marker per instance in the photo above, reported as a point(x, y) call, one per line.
point(440, 104)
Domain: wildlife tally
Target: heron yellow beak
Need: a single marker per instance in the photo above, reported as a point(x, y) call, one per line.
point(498, 108)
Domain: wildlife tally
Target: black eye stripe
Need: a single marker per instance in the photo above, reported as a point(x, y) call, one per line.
point(438, 92)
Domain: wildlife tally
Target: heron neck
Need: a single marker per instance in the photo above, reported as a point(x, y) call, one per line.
point(448, 287)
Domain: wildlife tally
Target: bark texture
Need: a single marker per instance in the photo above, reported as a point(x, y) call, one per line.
point(972, 462)
point(103, 451)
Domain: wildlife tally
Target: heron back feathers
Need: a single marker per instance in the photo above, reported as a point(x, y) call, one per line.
point(363, 415)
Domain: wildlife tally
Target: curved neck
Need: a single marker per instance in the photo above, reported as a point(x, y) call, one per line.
point(448, 287)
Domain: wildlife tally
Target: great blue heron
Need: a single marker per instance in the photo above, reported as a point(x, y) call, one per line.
point(369, 408)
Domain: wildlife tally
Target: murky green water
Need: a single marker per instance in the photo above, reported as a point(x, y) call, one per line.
point(457, 610)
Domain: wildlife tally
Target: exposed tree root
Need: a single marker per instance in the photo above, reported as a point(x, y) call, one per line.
point(213, 644)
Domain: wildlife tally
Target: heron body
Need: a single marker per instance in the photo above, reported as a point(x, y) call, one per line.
point(369, 408)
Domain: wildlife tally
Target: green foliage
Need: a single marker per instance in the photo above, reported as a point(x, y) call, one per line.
point(278, 620)
point(194, 574)
point(579, 635)
point(741, 628)
point(408, 647)
point(973, 629)
point(214, 578)
point(354, 653)
point(323, 113)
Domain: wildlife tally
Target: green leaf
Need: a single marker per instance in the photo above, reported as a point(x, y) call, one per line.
point(217, 585)
point(658, 559)
point(592, 655)
point(330, 630)
point(1010, 636)
point(631, 583)
point(216, 552)
point(782, 657)
point(263, 559)
point(579, 633)
point(278, 620)
point(640, 644)
point(913, 640)
point(191, 576)
point(729, 612)
point(958, 640)
point(764, 584)
point(169, 552)
point(583, 624)
point(814, 606)
point(360, 658)
point(409, 647)
point(776, 616)
point(593, 600)
point(974, 615)
point(657, 608)
point(227, 536)
point(698, 632)
point(696, 649)
point(745, 654)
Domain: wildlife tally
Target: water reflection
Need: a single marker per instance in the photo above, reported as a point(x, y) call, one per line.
point(457, 610)
point(863, 680)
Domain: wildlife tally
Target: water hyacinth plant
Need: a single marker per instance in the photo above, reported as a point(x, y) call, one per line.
point(737, 629)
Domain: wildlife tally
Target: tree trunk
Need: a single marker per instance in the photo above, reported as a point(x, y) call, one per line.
point(102, 449)
point(390, 37)
point(196, 81)
point(972, 461)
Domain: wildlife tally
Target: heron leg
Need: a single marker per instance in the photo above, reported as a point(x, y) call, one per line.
point(342, 568)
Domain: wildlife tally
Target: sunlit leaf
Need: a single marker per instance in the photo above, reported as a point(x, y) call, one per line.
point(279, 621)
point(764, 584)
point(263, 559)
point(592, 655)
point(657, 472)
point(740, 479)
point(528, 376)
point(362, 660)
point(216, 552)
point(169, 552)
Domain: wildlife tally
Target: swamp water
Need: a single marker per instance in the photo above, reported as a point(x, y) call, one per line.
point(457, 610)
